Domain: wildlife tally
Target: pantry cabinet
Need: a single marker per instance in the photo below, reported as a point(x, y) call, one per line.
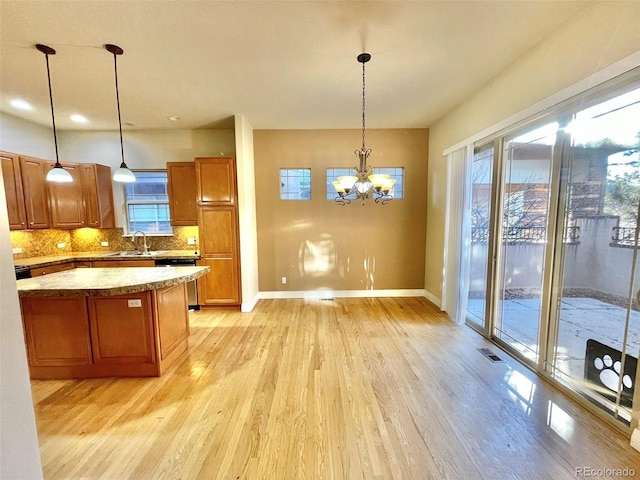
point(216, 181)
point(183, 205)
point(218, 230)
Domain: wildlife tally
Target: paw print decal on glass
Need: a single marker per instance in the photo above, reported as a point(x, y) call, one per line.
point(610, 373)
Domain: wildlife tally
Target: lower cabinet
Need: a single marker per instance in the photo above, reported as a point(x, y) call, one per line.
point(122, 263)
point(60, 267)
point(122, 329)
point(57, 332)
point(220, 286)
point(133, 335)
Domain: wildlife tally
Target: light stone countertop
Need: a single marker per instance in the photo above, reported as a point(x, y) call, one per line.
point(87, 256)
point(106, 282)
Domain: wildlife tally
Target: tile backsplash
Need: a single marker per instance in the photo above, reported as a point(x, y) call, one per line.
point(37, 243)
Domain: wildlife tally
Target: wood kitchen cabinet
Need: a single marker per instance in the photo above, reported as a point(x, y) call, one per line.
point(98, 196)
point(59, 267)
point(13, 191)
point(33, 203)
point(218, 228)
point(218, 231)
point(220, 286)
point(132, 335)
point(67, 343)
point(36, 196)
point(122, 263)
point(66, 200)
point(183, 204)
point(216, 181)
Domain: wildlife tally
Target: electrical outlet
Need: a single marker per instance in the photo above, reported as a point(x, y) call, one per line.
point(284, 280)
point(135, 303)
point(191, 240)
point(17, 250)
point(104, 244)
point(62, 245)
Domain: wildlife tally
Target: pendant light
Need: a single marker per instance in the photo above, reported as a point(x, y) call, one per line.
point(57, 174)
point(122, 174)
point(364, 184)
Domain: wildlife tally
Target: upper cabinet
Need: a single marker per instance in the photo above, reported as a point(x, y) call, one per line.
point(13, 191)
point(98, 196)
point(216, 181)
point(34, 203)
point(36, 196)
point(183, 204)
point(66, 199)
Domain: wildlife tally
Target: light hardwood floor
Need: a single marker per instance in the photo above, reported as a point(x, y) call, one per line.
point(338, 389)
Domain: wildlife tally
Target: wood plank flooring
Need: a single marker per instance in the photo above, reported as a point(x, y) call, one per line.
point(310, 389)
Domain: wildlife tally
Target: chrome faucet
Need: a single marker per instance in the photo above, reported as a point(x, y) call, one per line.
point(144, 240)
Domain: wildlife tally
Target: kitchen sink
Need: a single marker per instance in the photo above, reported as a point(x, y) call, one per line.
point(129, 253)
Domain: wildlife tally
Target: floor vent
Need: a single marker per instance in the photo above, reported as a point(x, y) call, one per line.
point(490, 355)
point(327, 299)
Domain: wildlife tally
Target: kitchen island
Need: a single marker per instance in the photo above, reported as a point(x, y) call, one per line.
point(104, 322)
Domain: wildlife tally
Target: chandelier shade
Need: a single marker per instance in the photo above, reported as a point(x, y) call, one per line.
point(57, 174)
point(122, 174)
point(364, 184)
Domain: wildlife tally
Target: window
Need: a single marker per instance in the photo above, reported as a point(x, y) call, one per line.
point(394, 172)
point(295, 184)
point(147, 203)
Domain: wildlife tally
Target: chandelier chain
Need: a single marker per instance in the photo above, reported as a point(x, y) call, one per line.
point(363, 104)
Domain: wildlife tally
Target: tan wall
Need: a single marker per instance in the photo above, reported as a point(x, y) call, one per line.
point(317, 244)
point(598, 36)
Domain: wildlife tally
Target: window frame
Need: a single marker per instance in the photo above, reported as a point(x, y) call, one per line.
point(128, 229)
point(290, 193)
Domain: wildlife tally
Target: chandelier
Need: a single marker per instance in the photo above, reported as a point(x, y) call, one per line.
point(364, 184)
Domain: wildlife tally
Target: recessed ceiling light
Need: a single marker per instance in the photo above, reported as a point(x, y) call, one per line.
point(173, 118)
point(21, 104)
point(78, 118)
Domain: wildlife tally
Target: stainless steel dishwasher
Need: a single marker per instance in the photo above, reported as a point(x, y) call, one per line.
point(192, 287)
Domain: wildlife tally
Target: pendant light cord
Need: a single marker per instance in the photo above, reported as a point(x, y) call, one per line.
point(53, 116)
point(115, 69)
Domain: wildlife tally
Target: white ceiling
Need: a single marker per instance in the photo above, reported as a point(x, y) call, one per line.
point(283, 64)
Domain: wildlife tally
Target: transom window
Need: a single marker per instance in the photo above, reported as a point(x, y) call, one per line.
point(147, 202)
point(295, 184)
point(396, 173)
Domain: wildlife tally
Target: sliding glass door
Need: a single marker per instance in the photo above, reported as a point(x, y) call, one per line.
point(480, 215)
point(597, 320)
point(522, 245)
point(553, 264)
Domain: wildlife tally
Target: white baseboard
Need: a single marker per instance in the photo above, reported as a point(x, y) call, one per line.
point(247, 307)
point(433, 299)
point(324, 294)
